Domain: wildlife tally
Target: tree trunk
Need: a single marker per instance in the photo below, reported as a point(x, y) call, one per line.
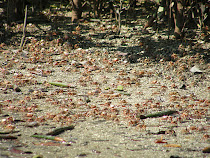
point(97, 7)
point(111, 9)
point(178, 19)
point(15, 10)
point(76, 10)
point(132, 3)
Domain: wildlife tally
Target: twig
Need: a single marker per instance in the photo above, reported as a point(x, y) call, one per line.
point(48, 137)
point(118, 12)
point(158, 114)
point(119, 18)
point(24, 29)
point(60, 84)
point(7, 137)
point(58, 131)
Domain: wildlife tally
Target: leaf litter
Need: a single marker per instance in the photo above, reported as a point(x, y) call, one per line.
point(101, 85)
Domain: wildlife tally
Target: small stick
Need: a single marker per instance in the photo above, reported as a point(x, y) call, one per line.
point(58, 131)
point(7, 137)
point(48, 137)
point(158, 114)
point(24, 29)
point(119, 18)
point(60, 84)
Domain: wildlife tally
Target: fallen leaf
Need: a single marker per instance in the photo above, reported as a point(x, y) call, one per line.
point(195, 69)
point(160, 140)
point(16, 151)
point(173, 145)
point(119, 88)
point(206, 150)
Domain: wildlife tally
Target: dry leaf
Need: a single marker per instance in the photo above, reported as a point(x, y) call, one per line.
point(195, 69)
point(173, 145)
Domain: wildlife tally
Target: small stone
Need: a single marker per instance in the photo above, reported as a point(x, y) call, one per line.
point(183, 87)
point(175, 156)
point(31, 90)
point(82, 155)
point(17, 89)
point(32, 124)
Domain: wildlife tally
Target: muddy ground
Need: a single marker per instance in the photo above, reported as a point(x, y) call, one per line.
point(110, 81)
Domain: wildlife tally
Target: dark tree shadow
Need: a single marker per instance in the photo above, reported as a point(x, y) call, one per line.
point(76, 34)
